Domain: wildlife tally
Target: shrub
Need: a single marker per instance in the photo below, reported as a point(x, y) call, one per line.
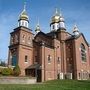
point(11, 71)
point(16, 71)
point(7, 71)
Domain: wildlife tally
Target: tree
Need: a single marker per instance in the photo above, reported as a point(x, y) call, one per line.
point(16, 71)
point(2, 63)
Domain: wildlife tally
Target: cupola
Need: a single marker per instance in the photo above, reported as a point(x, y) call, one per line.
point(23, 18)
point(76, 30)
point(55, 21)
point(37, 30)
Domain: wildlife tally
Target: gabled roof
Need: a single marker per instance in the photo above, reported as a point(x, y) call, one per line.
point(52, 34)
point(76, 37)
point(46, 41)
point(43, 34)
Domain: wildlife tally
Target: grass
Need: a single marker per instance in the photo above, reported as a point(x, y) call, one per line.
point(51, 85)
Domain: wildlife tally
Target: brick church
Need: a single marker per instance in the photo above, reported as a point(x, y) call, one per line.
point(47, 56)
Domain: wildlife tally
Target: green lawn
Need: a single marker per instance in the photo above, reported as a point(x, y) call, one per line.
point(51, 85)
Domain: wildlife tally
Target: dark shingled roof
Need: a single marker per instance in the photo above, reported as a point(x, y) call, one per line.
point(42, 33)
point(34, 66)
point(76, 37)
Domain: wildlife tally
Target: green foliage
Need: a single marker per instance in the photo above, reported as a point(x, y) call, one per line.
point(16, 71)
point(11, 71)
point(7, 71)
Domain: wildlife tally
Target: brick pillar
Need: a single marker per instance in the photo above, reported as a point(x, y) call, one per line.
point(9, 59)
point(42, 53)
point(63, 57)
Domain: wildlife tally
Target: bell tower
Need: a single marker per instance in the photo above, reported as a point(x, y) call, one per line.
point(62, 28)
point(62, 22)
point(23, 18)
point(61, 35)
point(21, 44)
point(54, 25)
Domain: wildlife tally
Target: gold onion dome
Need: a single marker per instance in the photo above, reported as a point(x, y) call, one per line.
point(56, 17)
point(23, 15)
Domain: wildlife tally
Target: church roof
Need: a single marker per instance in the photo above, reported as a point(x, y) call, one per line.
point(45, 40)
point(76, 37)
point(34, 66)
point(52, 34)
point(45, 35)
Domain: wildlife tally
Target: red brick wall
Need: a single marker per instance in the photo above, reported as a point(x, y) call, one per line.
point(80, 65)
point(23, 51)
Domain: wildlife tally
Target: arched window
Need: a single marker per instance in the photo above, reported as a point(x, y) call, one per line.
point(83, 53)
point(29, 40)
point(16, 38)
point(58, 60)
point(49, 59)
point(23, 38)
point(26, 58)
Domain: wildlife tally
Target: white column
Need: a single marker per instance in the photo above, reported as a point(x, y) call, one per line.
point(54, 26)
point(23, 23)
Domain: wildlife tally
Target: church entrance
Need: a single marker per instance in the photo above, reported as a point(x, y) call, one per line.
point(39, 76)
point(34, 71)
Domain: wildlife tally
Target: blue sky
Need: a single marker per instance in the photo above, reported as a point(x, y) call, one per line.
point(74, 11)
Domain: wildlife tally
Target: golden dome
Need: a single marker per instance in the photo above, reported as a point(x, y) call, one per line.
point(23, 15)
point(56, 17)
